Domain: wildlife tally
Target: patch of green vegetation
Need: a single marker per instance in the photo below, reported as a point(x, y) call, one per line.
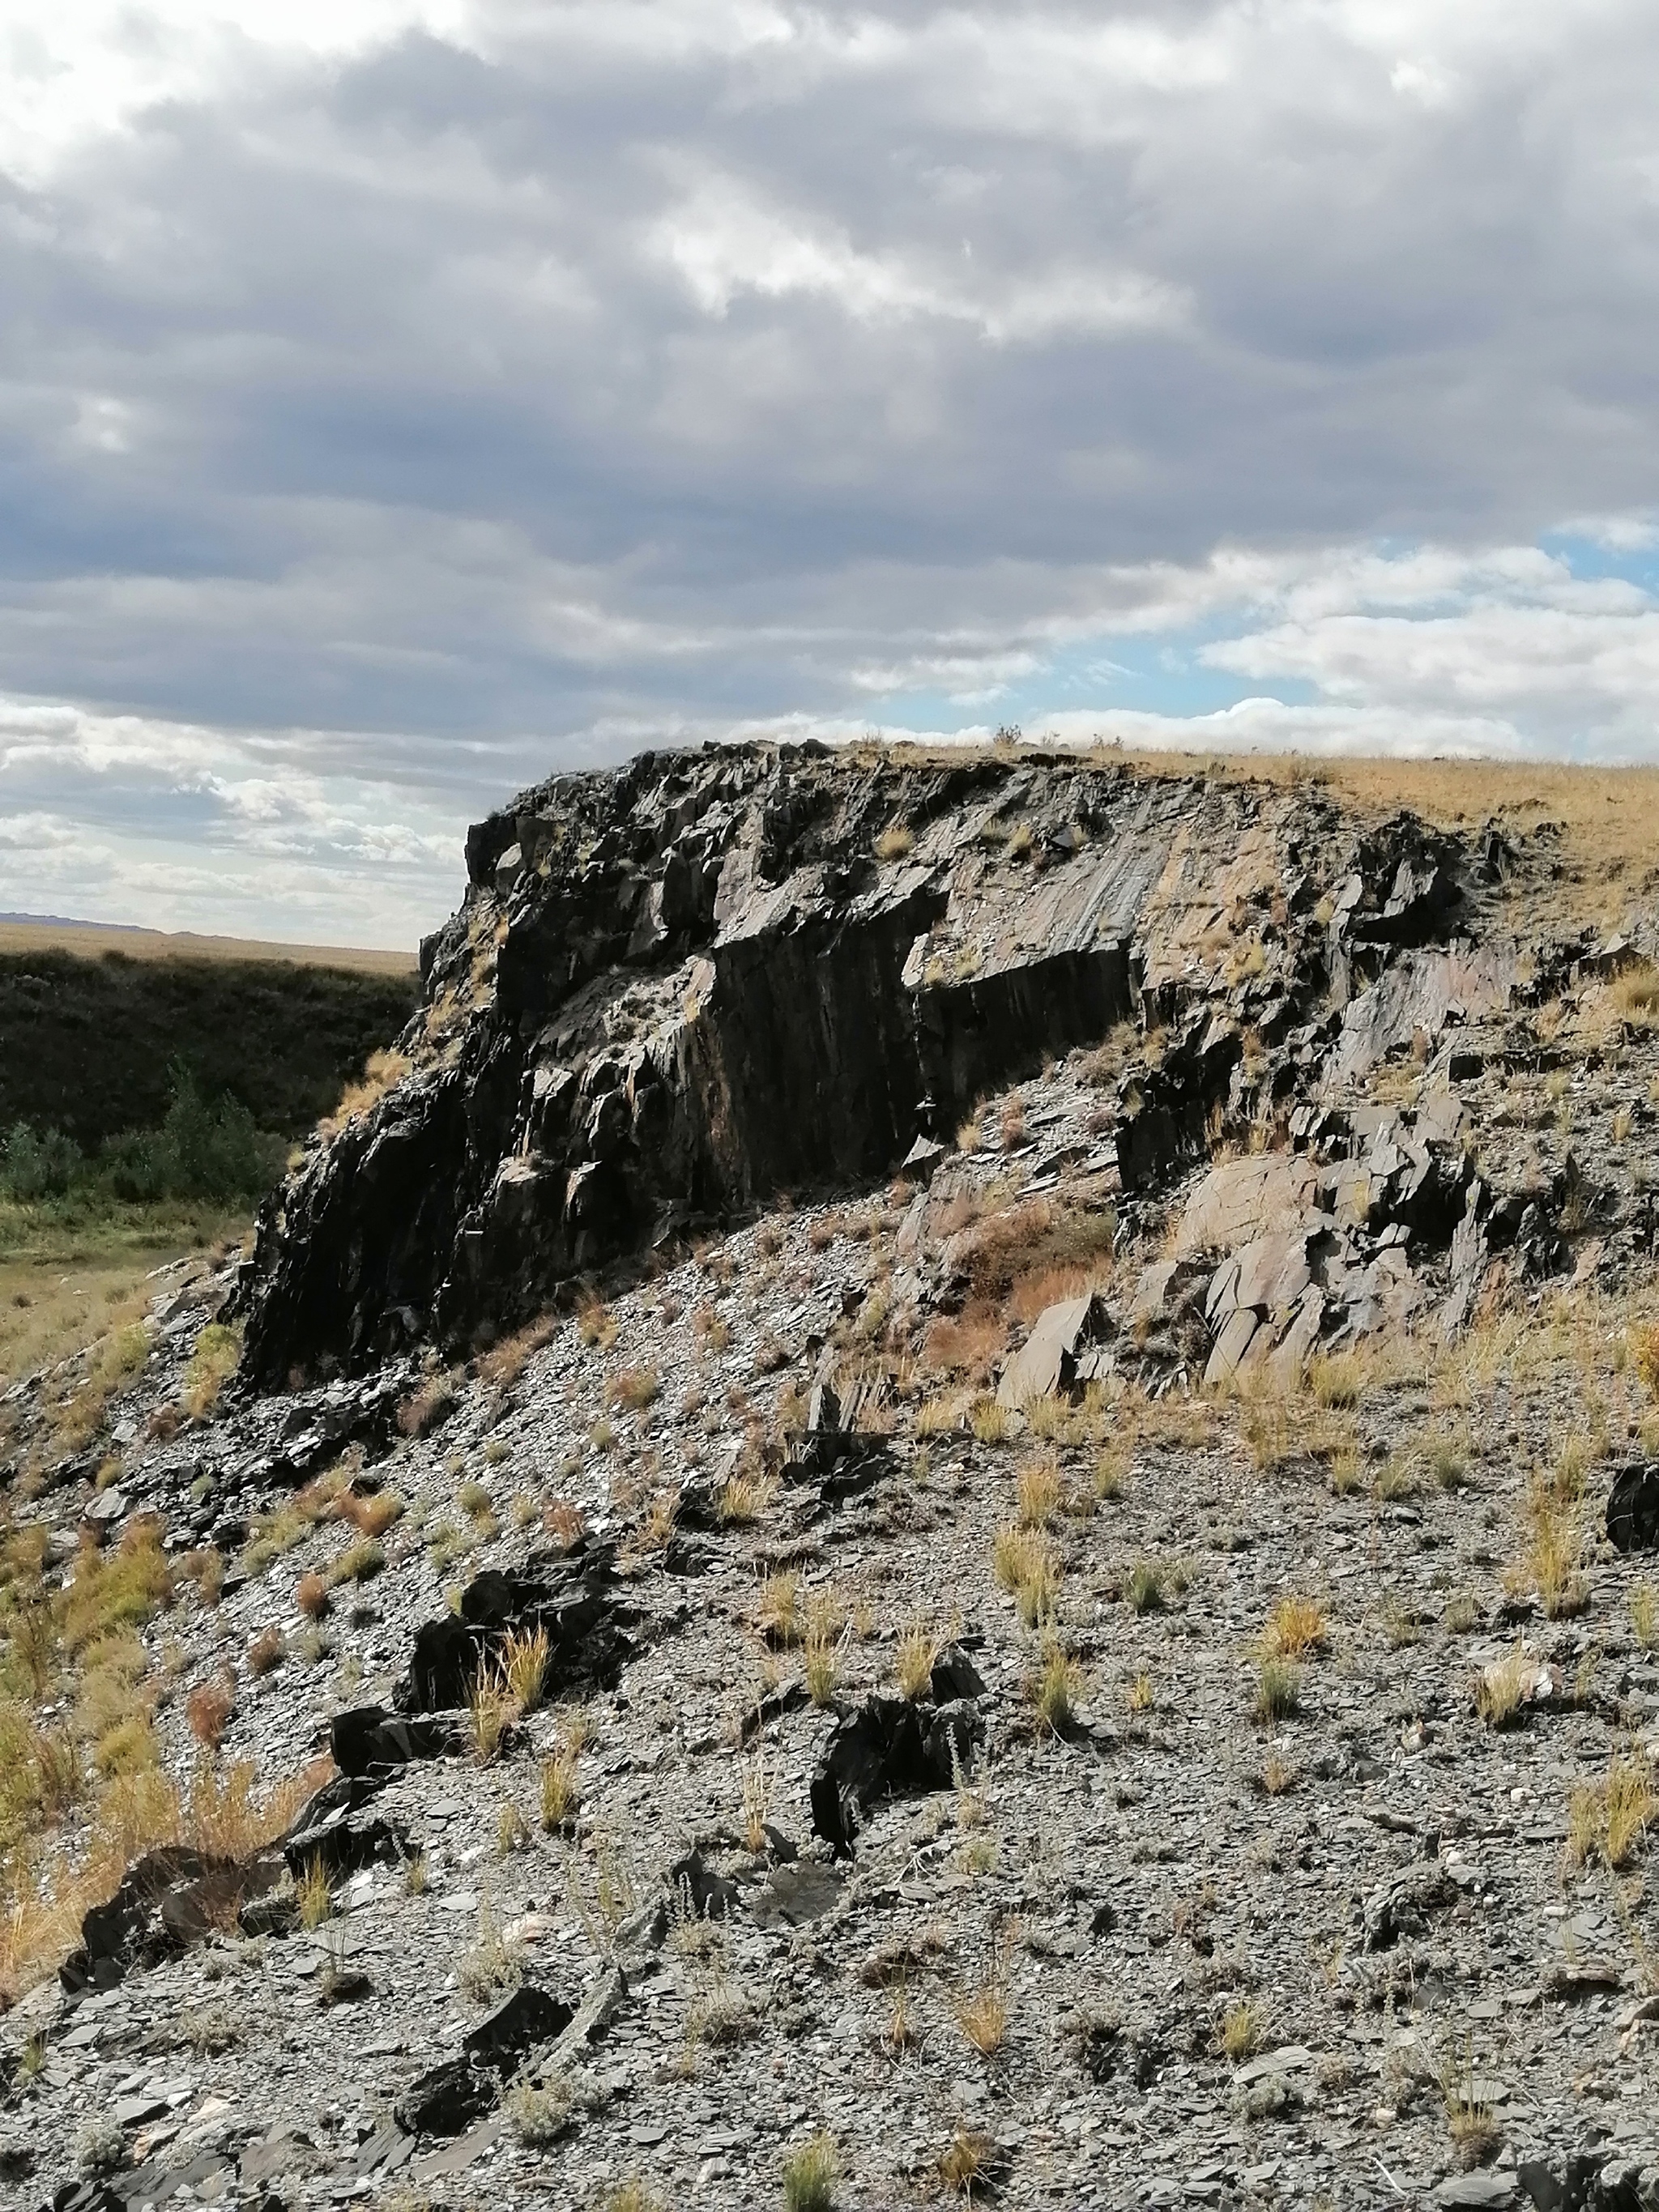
point(87, 1045)
point(202, 1149)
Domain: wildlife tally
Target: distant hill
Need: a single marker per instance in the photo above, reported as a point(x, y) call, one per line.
point(65, 922)
point(92, 1016)
point(34, 933)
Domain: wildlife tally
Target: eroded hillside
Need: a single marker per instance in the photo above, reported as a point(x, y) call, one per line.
point(948, 1498)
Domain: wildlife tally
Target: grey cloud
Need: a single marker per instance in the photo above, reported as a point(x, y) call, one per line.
point(631, 369)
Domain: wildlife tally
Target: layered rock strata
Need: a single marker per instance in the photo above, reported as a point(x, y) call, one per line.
point(674, 990)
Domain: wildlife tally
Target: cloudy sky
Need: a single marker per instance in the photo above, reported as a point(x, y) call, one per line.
point(400, 398)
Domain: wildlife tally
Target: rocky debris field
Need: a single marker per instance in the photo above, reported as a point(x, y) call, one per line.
point(1102, 1648)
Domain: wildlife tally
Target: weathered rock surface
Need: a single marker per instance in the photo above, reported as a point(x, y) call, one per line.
point(677, 989)
point(722, 1885)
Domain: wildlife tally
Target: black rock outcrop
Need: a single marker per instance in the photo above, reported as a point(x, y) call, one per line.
point(675, 990)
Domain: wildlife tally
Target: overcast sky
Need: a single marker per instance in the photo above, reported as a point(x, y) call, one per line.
point(400, 398)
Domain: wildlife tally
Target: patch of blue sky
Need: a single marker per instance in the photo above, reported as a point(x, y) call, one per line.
point(1629, 559)
point(1165, 675)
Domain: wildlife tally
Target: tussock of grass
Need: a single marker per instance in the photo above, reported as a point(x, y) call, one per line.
point(778, 1614)
point(1025, 1567)
point(633, 1389)
point(810, 2174)
point(913, 1663)
point(991, 1423)
point(525, 1659)
point(208, 1709)
point(507, 1360)
point(1241, 2031)
point(1055, 1689)
point(1551, 1561)
point(1144, 1587)
point(1294, 1627)
point(983, 2012)
point(372, 1515)
point(1609, 1819)
point(123, 1588)
point(744, 1497)
point(1278, 1692)
point(212, 1364)
point(1500, 1688)
point(361, 1563)
point(428, 1407)
point(967, 2163)
point(1039, 1493)
point(382, 1071)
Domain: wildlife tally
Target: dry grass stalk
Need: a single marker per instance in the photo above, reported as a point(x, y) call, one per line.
point(1241, 2031)
point(311, 1595)
point(634, 1388)
point(561, 1791)
point(524, 1663)
point(1056, 1688)
point(983, 2012)
point(314, 1896)
point(490, 1711)
point(778, 1614)
point(967, 2162)
point(745, 1495)
point(757, 1803)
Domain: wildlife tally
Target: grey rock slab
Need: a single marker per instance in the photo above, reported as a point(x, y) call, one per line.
point(1289, 2058)
point(456, 2157)
point(1497, 2187)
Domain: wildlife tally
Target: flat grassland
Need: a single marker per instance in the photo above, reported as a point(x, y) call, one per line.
point(90, 939)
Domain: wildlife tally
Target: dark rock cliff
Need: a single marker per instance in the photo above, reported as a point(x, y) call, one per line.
point(675, 990)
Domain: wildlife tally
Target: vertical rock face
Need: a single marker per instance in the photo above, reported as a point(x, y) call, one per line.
point(677, 989)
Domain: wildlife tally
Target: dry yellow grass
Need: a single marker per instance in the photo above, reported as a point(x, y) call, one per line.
point(1295, 1626)
point(223, 1812)
point(1241, 2031)
point(1038, 1491)
point(524, 1664)
point(561, 1791)
point(381, 1071)
point(91, 942)
point(212, 1364)
point(913, 1664)
point(982, 2012)
point(1551, 1561)
point(1609, 816)
point(1609, 1819)
point(777, 1612)
point(53, 1304)
point(1499, 1688)
point(1025, 1567)
point(1055, 1688)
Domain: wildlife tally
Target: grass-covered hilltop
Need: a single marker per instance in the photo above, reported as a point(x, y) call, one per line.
point(944, 1487)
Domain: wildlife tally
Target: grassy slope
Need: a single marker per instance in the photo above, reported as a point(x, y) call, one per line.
point(85, 1044)
point(89, 1020)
